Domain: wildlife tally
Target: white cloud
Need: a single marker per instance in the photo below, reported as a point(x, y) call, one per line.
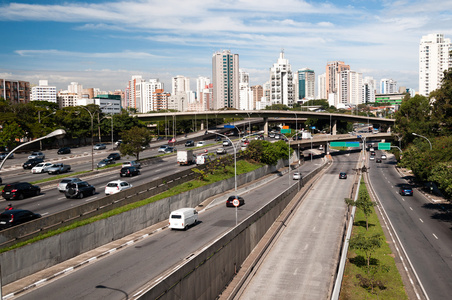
point(54, 52)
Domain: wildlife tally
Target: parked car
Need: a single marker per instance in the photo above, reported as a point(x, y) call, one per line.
point(58, 168)
point(5, 154)
point(63, 183)
point(162, 148)
point(14, 217)
point(129, 172)
point(132, 163)
point(116, 186)
point(406, 191)
point(231, 199)
point(383, 156)
point(64, 150)
point(200, 144)
point(114, 156)
point(221, 151)
point(100, 146)
point(20, 190)
point(227, 143)
point(29, 164)
point(105, 162)
point(296, 176)
point(36, 154)
point(41, 168)
point(342, 175)
point(79, 190)
point(170, 150)
point(189, 143)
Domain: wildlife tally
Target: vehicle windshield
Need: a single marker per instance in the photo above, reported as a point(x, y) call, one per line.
point(111, 184)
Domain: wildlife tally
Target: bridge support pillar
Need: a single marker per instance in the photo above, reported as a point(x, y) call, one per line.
point(265, 126)
point(202, 125)
point(334, 129)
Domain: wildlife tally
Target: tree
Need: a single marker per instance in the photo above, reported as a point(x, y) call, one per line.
point(363, 203)
point(9, 134)
point(441, 100)
point(134, 140)
point(367, 244)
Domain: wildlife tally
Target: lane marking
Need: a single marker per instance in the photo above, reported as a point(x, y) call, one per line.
point(435, 236)
point(421, 220)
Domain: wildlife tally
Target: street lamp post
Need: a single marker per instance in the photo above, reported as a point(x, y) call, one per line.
point(92, 137)
point(98, 118)
point(235, 157)
point(424, 138)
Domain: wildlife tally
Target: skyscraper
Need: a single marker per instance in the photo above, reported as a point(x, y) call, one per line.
point(333, 68)
point(225, 79)
point(434, 59)
point(306, 84)
point(281, 79)
point(146, 95)
point(246, 94)
point(388, 86)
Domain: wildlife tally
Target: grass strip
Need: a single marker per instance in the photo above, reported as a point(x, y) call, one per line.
point(218, 175)
point(383, 275)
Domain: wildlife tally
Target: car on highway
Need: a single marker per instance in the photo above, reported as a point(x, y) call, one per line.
point(372, 153)
point(406, 190)
point(170, 150)
point(189, 143)
point(129, 172)
point(217, 138)
point(105, 162)
point(221, 151)
point(321, 147)
point(271, 135)
point(342, 175)
point(227, 143)
point(64, 182)
point(14, 217)
point(297, 137)
point(3, 155)
point(79, 190)
point(36, 154)
point(58, 168)
point(114, 156)
point(200, 144)
point(100, 147)
point(132, 163)
point(64, 150)
point(378, 160)
point(162, 148)
point(383, 156)
point(230, 201)
point(41, 168)
point(116, 186)
point(20, 190)
point(296, 176)
point(372, 157)
point(29, 164)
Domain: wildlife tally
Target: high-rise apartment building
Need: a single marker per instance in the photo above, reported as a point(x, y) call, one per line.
point(180, 84)
point(333, 68)
point(44, 92)
point(15, 91)
point(281, 79)
point(434, 59)
point(145, 93)
point(349, 89)
point(388, 86)
point(131, 97)
point(258, 93)
point(306, 84)
point(225, 79)
point(321, 87)
point(369, 89)
point(246, 94)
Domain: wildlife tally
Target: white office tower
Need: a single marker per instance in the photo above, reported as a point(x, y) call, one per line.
point(281, 79)
point(75, 88)
point(44, 92)
point(321, 87)
point(131, 98)
point(369, 89)
point(180, 84)
point(388, 86)
point(225, 79)
point(305, 84)
point(349, 88)
point(201, 83)
point(146, 95)
point(246, 94)
point(434, 59)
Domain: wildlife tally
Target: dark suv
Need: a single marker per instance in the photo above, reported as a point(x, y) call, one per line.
point(20, 190)
point(114, 156)
point(29, 164)
point(129, 172)
point(79, 190)
point(14, 217)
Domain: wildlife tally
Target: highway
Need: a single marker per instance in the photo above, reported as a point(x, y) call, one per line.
point(302, 262)
point(121, 274)
point(425, 238)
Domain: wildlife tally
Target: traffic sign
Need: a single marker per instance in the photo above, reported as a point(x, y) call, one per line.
point(285, 130)
point(337, 144)
point(236, 202)
point(228, 126)
point(384, 146)
point(352, 144)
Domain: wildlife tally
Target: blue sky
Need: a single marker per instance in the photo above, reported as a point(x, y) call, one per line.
point(103, 43)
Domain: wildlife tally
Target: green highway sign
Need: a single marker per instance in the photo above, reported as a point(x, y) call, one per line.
point(337, 144)
point(352, 144)
point(384, 146)
point(285, 130)
point(345, 144)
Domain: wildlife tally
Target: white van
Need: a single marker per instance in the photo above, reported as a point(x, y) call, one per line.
point(182, 218)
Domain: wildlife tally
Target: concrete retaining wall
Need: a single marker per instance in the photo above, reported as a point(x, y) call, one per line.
point(37, 256)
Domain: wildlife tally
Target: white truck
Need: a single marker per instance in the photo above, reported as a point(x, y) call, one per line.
point(306, 135)
point(183, 218)
point(185, 157)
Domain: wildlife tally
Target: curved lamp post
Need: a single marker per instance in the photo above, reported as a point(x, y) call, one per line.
point(92, 137)
point(424, 138)
point(59, 133)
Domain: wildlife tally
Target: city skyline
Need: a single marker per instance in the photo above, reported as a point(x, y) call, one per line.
point(103, 44)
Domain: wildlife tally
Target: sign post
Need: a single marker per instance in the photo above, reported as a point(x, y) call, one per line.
point(236, 203)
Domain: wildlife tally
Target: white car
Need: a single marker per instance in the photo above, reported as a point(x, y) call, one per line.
point(132, 163)
point(372, 157)
point(100, 146)
point(36, 155)
point(383, 156)
point(41, 168)
point(296, 176)
point(162, 148)
point(200, 144)
point(116, 186)
point(227, 143)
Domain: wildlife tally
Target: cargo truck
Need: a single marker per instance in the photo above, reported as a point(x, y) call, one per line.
point(185, 157)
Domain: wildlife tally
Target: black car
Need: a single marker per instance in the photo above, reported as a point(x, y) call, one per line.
point(230, 201)
point(189, 143)
point(114, 156)
point(342, 175)
point(20, 190)
point(406, 191)
point(218, 138)
point(29, 164)
point(14, 217)
point(378, 160)
point(64, 150)
point(129, 172)
point(79, 189)
point(296, 137)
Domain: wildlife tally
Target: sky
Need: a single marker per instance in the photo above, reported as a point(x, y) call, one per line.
point(103, 43)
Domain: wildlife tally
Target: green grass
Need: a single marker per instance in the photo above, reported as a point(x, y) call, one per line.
point(391, 280)
point(227, 172)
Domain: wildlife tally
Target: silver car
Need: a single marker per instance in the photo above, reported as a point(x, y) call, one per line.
point(63, 183)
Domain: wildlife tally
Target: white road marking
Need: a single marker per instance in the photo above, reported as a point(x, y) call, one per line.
point(435, 236)
point(421, 220)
